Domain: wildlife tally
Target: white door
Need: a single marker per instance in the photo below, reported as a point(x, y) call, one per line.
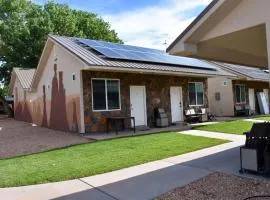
point(138, 105)
point(251, 96)
point(176, 104)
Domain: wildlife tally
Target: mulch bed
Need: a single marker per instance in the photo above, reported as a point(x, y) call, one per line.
point(220, 186)
point(19, 138)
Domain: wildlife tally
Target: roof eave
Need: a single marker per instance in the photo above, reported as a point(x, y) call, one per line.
point(193, 23)
point(161, 72)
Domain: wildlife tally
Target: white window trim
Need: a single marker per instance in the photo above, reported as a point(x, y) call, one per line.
point(196, 94)
point(241, 102)
point(106, 95)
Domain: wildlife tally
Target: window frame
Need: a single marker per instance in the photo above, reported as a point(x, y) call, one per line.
point(196, 98)
point(106, 94)
point(242, 102)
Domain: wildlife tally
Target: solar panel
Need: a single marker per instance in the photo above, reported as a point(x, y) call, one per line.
point(128, 52)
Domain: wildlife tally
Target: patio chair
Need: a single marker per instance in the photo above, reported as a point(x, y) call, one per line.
point(241, 110)
point(191, 116)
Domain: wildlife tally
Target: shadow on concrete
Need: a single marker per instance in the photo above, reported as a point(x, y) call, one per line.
point(153, 184)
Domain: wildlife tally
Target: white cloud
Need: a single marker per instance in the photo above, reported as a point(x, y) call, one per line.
point(151, 26)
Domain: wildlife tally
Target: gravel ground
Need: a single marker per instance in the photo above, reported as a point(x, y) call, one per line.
point(220, 186)
point(20, 138)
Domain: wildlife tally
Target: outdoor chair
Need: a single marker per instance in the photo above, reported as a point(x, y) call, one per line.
point(241, 110)
point(191, 116)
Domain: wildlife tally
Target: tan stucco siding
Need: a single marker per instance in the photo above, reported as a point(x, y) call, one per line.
point(247, 14)
point(223, 106)
point(56, 101)
point(256, 85)
point(21, 107)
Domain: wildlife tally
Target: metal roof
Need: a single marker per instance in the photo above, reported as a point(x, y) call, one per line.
point(252, 73)
point(25, 76)
point(93, 59)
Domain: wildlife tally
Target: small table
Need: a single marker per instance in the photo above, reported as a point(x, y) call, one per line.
point(116, 120)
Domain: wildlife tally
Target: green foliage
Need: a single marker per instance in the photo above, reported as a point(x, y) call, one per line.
point(4, 91)
point(98, 157)
point(24, 27)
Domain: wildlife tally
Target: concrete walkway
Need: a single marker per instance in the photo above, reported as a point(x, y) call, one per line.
point(144, 181)
point(255, 120)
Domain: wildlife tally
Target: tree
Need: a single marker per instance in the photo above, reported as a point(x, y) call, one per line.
point(3, 91)
point(24, 27)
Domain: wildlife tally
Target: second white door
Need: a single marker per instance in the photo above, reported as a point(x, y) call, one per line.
point(138, 105)
point(176, 104)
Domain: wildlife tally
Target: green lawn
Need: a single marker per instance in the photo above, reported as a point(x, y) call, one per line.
point(96, 158)
point(233, 127)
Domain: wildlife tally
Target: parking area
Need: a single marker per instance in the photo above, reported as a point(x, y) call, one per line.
point(20, 138)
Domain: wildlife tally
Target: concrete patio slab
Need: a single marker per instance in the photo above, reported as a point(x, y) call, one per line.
point(128, 133)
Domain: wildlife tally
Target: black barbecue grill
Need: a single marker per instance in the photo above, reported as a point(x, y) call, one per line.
point(255, 154)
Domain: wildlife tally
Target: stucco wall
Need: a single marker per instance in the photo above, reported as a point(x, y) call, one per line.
point(223, 106)
point(258, 13)
point(21, 105)
point(157, 87)
point(56, 102)
point(257, 86)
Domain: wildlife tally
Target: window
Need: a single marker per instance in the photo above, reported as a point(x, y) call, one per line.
point(195, 92)
point(240, 93)
point(106, 94)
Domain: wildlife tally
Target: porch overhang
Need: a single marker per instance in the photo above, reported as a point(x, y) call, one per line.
point(235, 32)
point(246, 47)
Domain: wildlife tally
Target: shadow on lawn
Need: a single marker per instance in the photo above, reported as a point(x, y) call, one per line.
point(153, 184)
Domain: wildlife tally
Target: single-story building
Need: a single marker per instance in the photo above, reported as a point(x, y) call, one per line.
point(230, 31)
point(227, 94)
point(79, 83)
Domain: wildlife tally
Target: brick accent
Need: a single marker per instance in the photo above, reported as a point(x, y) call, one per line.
point(157, 88)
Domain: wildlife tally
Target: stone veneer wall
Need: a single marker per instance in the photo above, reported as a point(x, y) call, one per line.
point(157, 87)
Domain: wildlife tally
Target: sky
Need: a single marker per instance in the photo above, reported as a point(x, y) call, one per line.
point(146, 23)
